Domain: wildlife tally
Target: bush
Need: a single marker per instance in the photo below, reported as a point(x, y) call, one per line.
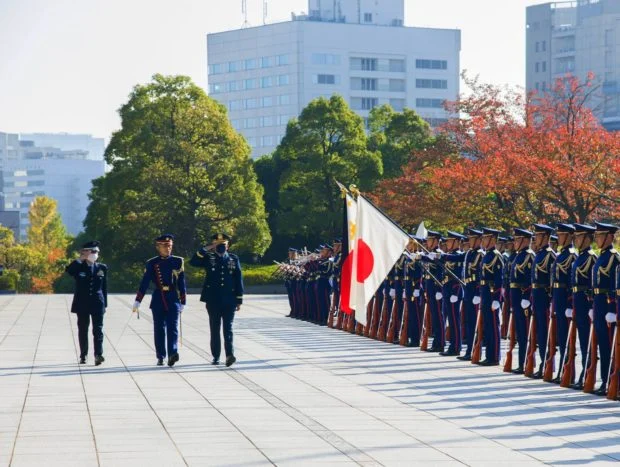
point(9, 280)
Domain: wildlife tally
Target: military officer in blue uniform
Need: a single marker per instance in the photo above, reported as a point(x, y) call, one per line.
point(581, 287)
point(472, 260)
point(222, 292)
point(541, 288)
point(323, 286)
point(413, 292)
point(90, 298)
point(604, 286)
point(167, 273)
point(451, 291)
point(433, 275)
point(490, 289)
point(521, 289)
point(560, 284)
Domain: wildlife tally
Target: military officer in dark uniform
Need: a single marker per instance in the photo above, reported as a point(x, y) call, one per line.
point(560, 284)
point(167, 273)
point(451, 291)
point(472, 260)
point(222, 292)
point(413, 295)
point(541, 289)
point(90, 298)
point(291, 283)
point(323, 287)
point(521, 290)
point(433, 275)
point(604, 285)
point(581, 287)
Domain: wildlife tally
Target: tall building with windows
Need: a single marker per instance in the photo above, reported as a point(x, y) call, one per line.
point(575, 38)
point(28, 171)
point(359, 49)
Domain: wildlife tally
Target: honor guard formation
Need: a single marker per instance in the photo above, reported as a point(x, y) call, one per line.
point(544, 290)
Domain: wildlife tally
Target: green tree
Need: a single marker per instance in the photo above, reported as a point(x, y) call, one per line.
point(396, 135)
point(326, 142)
point(177, 166)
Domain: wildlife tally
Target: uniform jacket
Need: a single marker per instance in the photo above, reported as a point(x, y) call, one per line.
point(91, 287)
point(223, 278)
point(168, 276)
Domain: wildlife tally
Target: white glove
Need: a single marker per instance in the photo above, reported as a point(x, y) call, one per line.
point(136, 306)
point(495, 305)
point(181, 308)
point(416, 293)
point(331, 281)
point(432, 255)
point(438, 296)
point(404, 295)
point(392, 293)
point(569, 313)
point(454, 298)
point(476, 300)
point(610, 318)
point(525, 304)
point(591, 314)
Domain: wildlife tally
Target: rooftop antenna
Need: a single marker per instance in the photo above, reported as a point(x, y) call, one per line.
point(265, 11)
point(244, 12)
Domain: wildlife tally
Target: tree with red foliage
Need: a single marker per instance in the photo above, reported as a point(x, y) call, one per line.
point(512, 160)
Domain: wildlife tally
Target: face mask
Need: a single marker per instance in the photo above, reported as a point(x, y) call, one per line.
point(221, 248)
point(93, 257)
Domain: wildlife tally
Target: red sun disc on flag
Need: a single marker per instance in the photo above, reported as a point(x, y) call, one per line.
point(365, 261)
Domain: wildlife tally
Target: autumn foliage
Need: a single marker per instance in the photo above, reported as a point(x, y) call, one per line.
point(512, 160)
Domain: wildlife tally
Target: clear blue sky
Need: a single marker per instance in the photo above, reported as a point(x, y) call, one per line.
point(68, 65)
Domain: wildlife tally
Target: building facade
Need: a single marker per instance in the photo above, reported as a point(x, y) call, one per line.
point(266, 75)
point(577, 38)
point(28, 171)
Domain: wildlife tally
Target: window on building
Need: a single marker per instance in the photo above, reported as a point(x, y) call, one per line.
point(266, 82)
point(537, 46)
point(324, 79)
point(283, 119)
point(234, 86)
point(397, 85)
point(266, 121)
point(251, 141)
point(369, 103)
point(21, 184)
point(284, 99)
point(325, 59)
point(9, 184)
point(267, 101)
point(35, 172)
point(283, 80)
point(251, 64)
point(236, 124)
point(251, 103)
point(251, 83)
point(435, 122)
point(235, 66)
point(36, 183)
point(235, 105)
point(537, 86)
point(537, 67)
point(429, 103)
point(250, 123)
point(217, 88)
point(282, 60)
point(369, 84)
point(20, 173)
point(369, 64)
point(544, 67)
point(367, 17)
point(431, 64)
point(397, 66)
point(544, 46)
point(266, 62)
point(431, 83)
point(544, 86)
point(398, 104)
point(216, 68)
point(267, 141)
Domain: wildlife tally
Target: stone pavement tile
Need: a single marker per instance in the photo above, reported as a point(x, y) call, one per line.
point(426, 455)
point(37, 460)
point(257, 460)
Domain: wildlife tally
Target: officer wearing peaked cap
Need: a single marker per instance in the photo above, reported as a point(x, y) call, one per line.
point(560, 285)
point(604, 285)
point(90, 298)
point(167, 273)
point(541, 288)
point(451, 291)
point(222, 292)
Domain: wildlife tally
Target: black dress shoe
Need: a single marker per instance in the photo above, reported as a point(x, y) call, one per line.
point(578, 386)
point(160, 362)
point(602, 391)
point(556, 380)
point(215, 361)
point(434, 350)
point(413, 344)
point(173, 359)
point(518, 371)
point(99, 360)
point(488, 363)
point(230, 360)
point(448, 353)
point(537, 375)
point(82, 360)
point(465, 358)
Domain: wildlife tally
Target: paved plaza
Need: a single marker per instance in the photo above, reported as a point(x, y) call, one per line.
point(299, 395)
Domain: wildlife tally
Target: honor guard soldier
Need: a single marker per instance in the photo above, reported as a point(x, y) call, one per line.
point(398, 286)
point(222, 292)
point(90, 298)
point(521, 290)
point(323, 288)
point(167, 273)
point(433, 276)
point(490, 290)
point(541, 288)
point(413, 292)
point(472, 260)
point(560, 284)
point(335, 279)
point(604, 285)
point(581, 287)
point(451, 291)
point(290, 282)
